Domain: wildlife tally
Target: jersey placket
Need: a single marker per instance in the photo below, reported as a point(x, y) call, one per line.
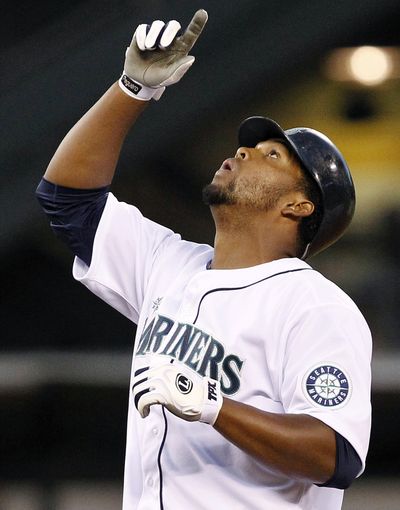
point(151, 444)
point(155, 427)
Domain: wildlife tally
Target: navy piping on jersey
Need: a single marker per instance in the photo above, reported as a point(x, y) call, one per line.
point(137, 398)
point(159, 458)
point(224, 289)
point(75, 215)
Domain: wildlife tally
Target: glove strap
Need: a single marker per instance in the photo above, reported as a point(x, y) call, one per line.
point(139, 91)
point(212, 401)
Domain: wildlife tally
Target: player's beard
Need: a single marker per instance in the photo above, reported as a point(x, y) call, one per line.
point(216, 195)
point(253, 194)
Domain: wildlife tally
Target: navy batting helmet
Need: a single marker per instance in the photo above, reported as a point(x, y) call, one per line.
point(324, 163)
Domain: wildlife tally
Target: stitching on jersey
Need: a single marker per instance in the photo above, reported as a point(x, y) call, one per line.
point(159, 458)
point(223, 289)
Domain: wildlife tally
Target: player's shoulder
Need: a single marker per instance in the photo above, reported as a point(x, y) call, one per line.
point(319, 301)
point(318, 290)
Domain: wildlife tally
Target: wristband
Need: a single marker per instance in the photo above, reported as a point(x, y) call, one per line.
point(139, 91)
point(212, 401)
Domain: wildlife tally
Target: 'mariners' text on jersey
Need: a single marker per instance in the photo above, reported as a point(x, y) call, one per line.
point(197, 349)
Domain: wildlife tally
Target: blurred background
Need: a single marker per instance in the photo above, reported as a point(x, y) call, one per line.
point(65, 356)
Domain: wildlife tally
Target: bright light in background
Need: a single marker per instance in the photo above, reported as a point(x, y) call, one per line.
point(370, 65)
point(366, 65)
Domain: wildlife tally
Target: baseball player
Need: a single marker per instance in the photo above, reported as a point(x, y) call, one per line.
point(250, 383)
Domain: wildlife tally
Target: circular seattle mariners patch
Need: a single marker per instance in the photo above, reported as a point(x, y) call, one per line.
point(327, 385)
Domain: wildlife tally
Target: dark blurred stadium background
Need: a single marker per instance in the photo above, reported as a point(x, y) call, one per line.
point(65, 356)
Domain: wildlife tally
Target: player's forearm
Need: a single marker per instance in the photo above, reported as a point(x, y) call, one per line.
point(88, 155)
point(299, 446)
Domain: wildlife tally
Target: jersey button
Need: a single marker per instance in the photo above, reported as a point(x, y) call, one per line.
point(155, 431)
point(150, 482)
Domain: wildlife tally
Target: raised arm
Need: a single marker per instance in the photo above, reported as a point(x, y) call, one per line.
point(88, 155)
point(74, 190)
point(157, 57)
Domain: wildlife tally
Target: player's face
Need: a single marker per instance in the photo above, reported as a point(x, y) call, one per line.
point(256, 177)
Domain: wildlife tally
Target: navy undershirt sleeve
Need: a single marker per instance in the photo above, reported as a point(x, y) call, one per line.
point(348, 465)
point(74, 214)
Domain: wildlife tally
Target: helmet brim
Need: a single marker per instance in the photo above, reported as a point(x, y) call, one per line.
point(257, 129)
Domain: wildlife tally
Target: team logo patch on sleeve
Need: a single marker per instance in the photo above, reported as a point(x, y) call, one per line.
point(327, 385)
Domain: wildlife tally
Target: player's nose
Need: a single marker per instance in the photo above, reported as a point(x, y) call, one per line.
point(243, 153)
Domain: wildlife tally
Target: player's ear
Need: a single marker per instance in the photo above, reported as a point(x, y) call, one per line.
point(298, 209)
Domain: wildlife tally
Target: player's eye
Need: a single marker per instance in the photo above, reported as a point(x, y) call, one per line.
point(273, 153)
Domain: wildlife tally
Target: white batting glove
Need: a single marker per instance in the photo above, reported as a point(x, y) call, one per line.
point(182, 391)
point(157, 57)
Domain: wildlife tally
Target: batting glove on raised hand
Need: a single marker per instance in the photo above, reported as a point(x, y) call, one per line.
point(182, 391)
point(158, 57)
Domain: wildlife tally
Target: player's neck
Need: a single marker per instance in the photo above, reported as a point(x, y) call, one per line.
point(248, 241)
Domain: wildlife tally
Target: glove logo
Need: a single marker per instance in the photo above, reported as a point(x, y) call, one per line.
point(183, 384)
point(212, 391)
point(327, 385)
point(130, 84)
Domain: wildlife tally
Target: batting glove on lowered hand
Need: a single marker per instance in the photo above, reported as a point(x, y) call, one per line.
point(182, 391)
point(158, 57)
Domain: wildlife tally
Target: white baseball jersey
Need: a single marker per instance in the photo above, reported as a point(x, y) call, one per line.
point(278, 336)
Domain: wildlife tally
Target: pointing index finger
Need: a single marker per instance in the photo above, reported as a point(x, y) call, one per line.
point(194, 28)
